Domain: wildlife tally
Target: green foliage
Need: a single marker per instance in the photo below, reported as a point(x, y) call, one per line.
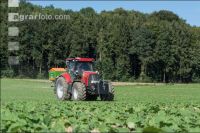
point(30, 106)
point(40, 76)
point(9, 73)
point(127, 44)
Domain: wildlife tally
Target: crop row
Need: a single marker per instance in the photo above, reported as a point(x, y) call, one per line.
point(99, 117)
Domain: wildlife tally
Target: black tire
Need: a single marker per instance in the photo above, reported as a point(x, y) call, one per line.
point(61, 88)
point(109, 96)
point(92, 97)
point(78, 91)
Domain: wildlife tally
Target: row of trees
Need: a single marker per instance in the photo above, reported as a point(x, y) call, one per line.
point(127, 45)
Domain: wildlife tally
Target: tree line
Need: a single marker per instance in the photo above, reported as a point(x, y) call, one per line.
point(127, 45)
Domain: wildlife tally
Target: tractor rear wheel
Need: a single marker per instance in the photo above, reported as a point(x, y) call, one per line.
point(78, 91)
point(62, 89)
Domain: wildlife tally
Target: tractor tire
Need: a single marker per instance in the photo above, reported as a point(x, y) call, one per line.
point(78, 91)
point(92, 97)
point(109, 96)
point(61, 88)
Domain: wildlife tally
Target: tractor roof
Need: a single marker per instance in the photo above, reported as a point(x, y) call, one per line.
point(81, 59)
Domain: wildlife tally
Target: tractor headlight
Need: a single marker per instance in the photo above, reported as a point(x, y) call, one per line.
point(93, 79)
point(94, 82)
point(97, 72)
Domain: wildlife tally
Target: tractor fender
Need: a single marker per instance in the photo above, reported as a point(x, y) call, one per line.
point(67, 78)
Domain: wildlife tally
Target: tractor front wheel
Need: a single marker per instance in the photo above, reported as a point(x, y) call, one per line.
point(62, 89)
point(109, 96)
point(78, 91)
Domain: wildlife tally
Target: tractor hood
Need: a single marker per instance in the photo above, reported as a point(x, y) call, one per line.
point(86, 75)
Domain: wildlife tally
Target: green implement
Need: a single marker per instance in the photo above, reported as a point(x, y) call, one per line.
point(55, 72)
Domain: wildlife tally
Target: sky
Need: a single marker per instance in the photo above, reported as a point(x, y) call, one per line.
point(187, 10)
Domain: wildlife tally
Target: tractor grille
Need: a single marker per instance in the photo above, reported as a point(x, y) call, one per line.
point(93, 78)
point(93, 84)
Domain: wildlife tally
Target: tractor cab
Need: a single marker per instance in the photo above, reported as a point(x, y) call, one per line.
point(77, 66)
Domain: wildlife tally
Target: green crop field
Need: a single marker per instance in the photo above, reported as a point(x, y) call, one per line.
point(30, 106)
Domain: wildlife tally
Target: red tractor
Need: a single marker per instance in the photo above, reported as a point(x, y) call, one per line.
point(79, 81)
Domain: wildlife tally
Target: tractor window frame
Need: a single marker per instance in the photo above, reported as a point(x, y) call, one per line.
point(91, 65)
point(71, 65)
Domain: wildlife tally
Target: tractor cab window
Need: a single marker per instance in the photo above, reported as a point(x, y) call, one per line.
point(84, 66)
point(71, 65)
